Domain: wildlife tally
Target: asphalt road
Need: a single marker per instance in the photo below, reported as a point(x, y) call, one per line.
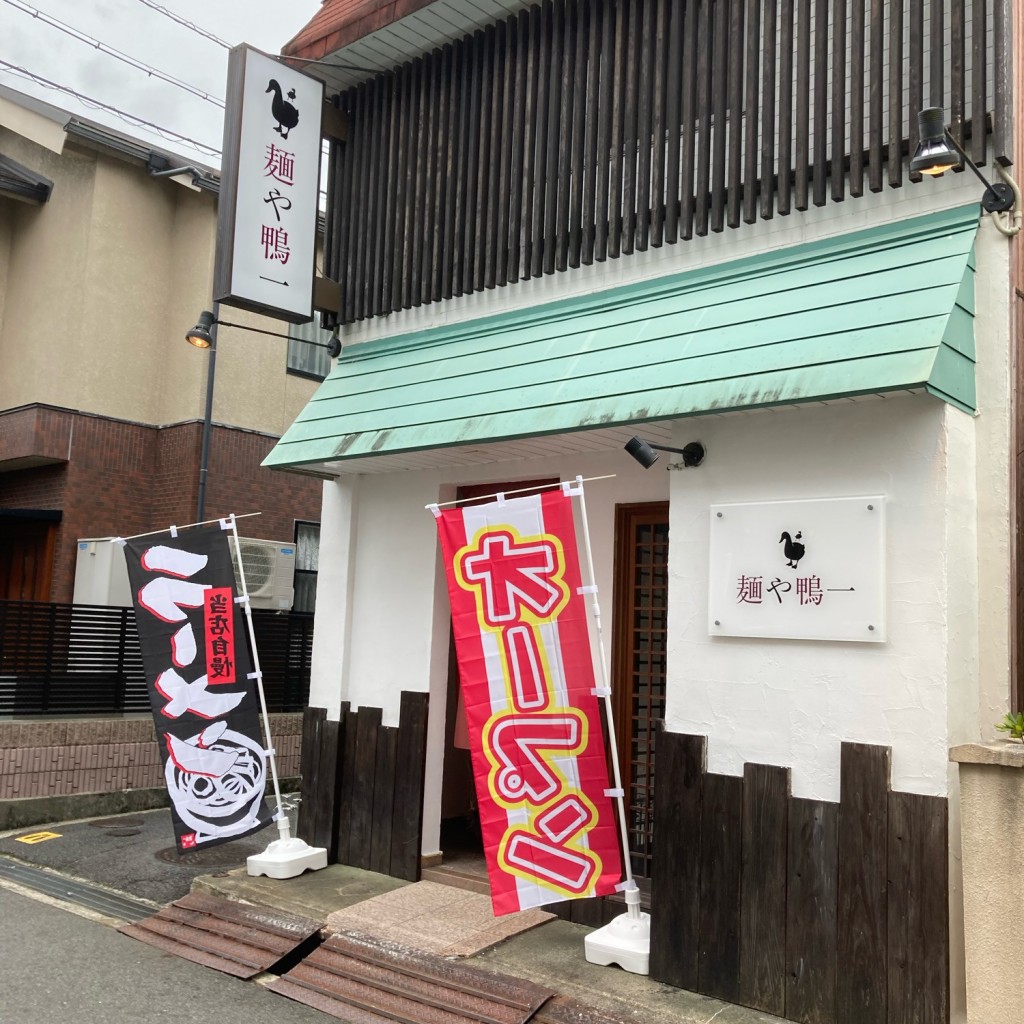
point(61, 968)
point(133, 853)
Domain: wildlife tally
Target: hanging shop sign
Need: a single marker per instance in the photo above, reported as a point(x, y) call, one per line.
point(267, 213)
point(804, 570)
point(527, 675)
point(200, 684)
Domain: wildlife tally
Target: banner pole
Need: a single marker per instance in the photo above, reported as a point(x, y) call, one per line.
point(626, 939)
point(631, 891)
point(287, 856)
point(283, 827)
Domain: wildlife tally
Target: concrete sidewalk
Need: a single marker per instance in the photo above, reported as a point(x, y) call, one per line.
point(549, 953)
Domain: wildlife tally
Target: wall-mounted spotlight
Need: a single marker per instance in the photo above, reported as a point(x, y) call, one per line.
point(643, 451)
point(938, 151)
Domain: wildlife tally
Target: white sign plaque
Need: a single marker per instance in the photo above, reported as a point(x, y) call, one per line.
point(266, 230)
point(803, 570)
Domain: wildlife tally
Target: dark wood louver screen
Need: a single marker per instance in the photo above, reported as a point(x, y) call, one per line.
point(583, 130)
point(641, 620)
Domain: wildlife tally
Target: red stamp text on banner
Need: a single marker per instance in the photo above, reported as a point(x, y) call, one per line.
point(219, 630)
point(527, 679)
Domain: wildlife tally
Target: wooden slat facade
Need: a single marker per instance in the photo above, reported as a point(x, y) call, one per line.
point(581, 130)
point(815, 911)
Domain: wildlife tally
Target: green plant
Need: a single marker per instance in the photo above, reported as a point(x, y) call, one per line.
point(1013, 724)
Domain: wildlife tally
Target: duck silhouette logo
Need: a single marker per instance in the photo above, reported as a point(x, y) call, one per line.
point(793, 550)
point(285, 114)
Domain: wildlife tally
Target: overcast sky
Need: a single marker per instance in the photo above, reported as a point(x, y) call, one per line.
point(138, 30)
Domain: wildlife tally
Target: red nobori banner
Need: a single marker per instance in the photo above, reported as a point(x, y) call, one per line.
point(197, 668)
point(526, 668)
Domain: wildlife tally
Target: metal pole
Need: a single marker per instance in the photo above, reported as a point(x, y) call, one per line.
point(204, 454)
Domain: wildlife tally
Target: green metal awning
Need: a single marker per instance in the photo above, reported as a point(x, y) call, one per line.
point(882, 310)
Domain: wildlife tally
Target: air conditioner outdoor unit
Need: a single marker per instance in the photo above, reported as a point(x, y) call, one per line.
point(269, 572)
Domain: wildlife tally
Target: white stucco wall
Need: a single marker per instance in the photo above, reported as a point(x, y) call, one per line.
point(792, 702)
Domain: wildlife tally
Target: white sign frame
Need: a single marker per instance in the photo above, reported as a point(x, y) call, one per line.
point(799, 570)
point(270, 180)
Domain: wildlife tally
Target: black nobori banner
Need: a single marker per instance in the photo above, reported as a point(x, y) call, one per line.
point(197, 671)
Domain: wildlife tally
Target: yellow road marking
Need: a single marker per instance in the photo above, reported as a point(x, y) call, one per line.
point(38, 837)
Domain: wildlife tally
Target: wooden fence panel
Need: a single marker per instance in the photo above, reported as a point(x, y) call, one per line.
point(763, 905)
point(347, 787)
point(675, 927)
point(812, 898)
point(918, 913)
point(383, 803)
point(721, 848)
point(863, 834)
point(312, 728)
point(407, 814)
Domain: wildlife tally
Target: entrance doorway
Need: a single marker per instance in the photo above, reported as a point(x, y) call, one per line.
point(462, 854)
point(639, 635)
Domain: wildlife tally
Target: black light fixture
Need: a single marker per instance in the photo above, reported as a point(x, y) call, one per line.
point(201, 336)
point(204, 335)
point(938, 151)
point(643, 451)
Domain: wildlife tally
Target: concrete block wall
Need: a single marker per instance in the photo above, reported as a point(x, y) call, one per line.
point(56, 769)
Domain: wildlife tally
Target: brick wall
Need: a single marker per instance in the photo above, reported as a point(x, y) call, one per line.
point(123, 478)
point(64, 758)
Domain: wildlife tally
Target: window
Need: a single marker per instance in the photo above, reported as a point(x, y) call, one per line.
point(304, 359)
point(307, 561)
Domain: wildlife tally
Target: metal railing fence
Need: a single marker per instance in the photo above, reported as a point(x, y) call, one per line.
point(75, 659)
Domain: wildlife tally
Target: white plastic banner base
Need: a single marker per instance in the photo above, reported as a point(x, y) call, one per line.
point(286, 858)
point(625, 941)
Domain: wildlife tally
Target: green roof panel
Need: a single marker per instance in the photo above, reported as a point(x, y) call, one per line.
point(886, 309)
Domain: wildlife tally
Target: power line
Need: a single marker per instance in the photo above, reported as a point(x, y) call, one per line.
point(110, 51)
point(227, 46)
point(132, 119)
point(186, 24)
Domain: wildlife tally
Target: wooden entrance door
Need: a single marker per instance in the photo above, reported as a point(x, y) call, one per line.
point(26, 559)
point(638, 663)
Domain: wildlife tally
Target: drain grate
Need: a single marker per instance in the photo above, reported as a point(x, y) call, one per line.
point(71, 890)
